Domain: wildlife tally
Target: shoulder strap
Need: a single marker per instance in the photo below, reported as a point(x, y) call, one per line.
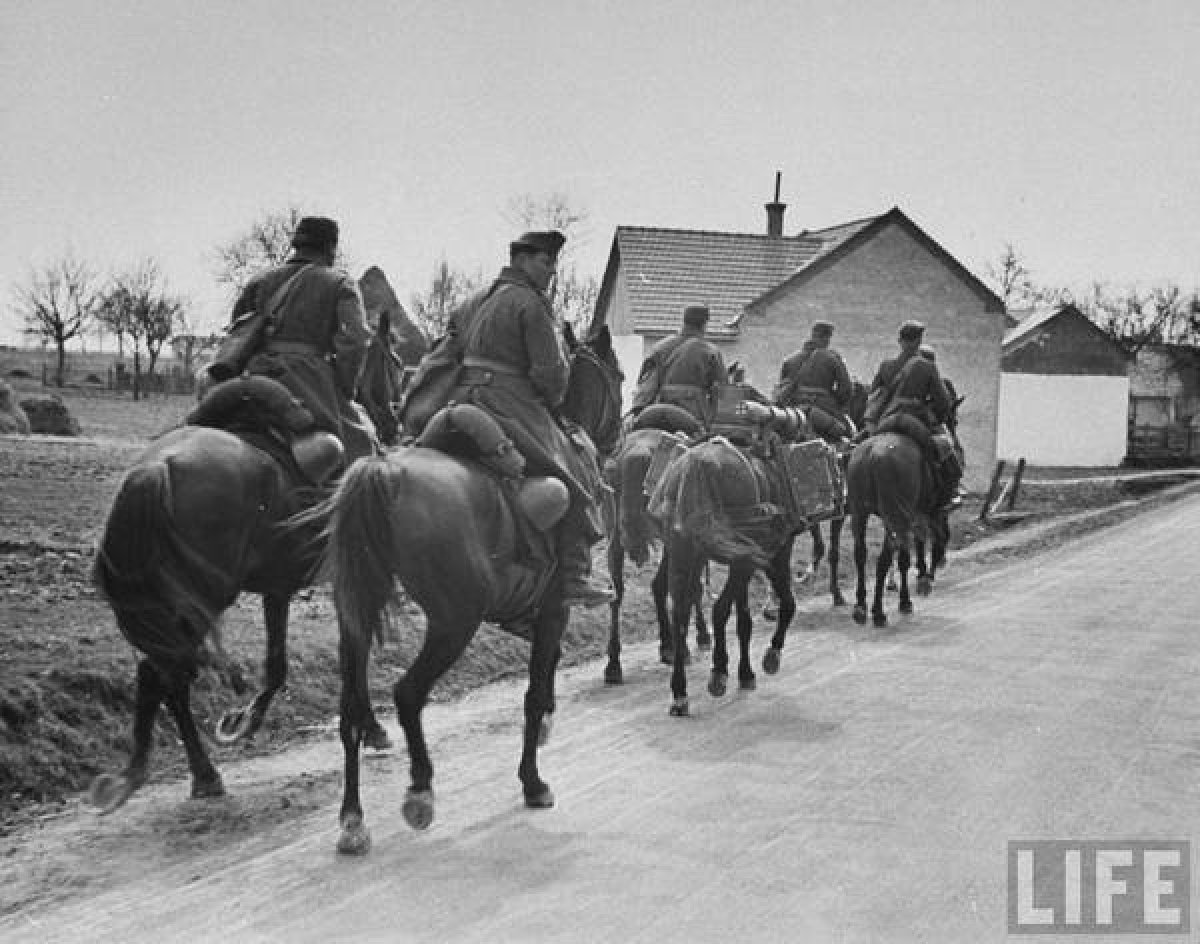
point(280, 295)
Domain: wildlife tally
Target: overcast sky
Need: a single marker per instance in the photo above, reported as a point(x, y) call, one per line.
point(164, 128)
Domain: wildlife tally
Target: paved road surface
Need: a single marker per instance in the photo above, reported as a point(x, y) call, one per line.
point(866, 793)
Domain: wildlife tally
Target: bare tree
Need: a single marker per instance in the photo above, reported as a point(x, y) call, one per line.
point(138, 304)
point(448, 289)
point(1162, 314)
point(1012, 280)
point(266, 243)
point(58, 303)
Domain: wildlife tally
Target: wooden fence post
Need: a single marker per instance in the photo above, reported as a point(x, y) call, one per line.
point(1016, 483)
point(991, 492)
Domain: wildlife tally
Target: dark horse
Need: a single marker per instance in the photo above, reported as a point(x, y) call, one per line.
point(721, 503)
point(632, 531)
point(442, 526)
point(197, 520)
point(888, 477)
point(854, 410)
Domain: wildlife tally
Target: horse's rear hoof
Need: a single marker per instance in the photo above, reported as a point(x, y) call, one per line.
point(924, 586)
point(839, 600)
point(679, 707)
point(771, 660)
point(717, 683)
point(879, 619)
point(377, 739)
point(613, 674)
point(418, 808)
point(109, 792)
point(860, 615)
point(906, 606)
point(355, 840)
point(208, 788)
point(542, 799)
point(748, 683)
point(232, 727)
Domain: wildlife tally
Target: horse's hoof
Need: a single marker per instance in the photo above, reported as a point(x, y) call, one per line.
point(208, 788)
point(839, 600)
point(377, 739)
point(418, 808)
point(860, 615)
point(924, 586)
point(679, 707)
point(613, 675)
point(542, 799)
point(354, 840)
point(544, 729)
point(879, 619)
point(906, 606)
point(232, 727)
point(717, 683)
point(771, 659)
point(110, 791)
point(748, 684)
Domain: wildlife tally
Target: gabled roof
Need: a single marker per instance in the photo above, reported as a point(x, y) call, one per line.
point(1016, 337)
point(667, 269)
point(839, 241)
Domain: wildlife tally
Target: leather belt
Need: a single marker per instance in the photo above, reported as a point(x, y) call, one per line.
point(496, 367)
point(284, 346)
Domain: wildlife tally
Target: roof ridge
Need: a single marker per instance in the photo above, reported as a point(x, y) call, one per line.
point(710, 232)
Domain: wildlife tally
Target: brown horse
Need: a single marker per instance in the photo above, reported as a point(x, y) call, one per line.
point(633, 531)
point(888, 477)
point(197, 520)
point(725, 504)
point(442, 527)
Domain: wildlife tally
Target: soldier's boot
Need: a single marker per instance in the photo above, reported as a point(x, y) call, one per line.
point(580, 586)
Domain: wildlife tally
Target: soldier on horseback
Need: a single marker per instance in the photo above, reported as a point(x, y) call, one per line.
point(514, 368)
point(816, 378)
point(909, 397)
point(319, 341)
point(684, 370)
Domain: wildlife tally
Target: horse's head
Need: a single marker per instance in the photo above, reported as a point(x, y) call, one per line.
point(380, 383)
point(593, 398)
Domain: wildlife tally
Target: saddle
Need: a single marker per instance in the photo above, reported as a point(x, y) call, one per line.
point(264, 413)
point(465, 431)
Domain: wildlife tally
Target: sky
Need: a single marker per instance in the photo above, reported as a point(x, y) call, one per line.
point(164, 129)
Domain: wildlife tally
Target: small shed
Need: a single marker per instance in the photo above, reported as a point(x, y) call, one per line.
point(1064, 392)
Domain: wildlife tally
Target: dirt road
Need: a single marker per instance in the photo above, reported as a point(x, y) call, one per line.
point(866, 793)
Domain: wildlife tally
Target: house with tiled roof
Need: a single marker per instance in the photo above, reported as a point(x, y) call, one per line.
point(766, 289)
point(1064, 391)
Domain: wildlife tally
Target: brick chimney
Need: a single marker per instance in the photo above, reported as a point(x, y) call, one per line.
point(775, 210)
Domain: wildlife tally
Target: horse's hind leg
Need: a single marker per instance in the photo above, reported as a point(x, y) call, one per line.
point(903, 562)
point(660, 590)
point(835, 556)
point(858, 525)
point(539, 697)
point(206, 782)
point(613, 673)
point(703, 638)
point(110, 791)
point(779, 573)
point(718, 678)
point(446, 637)
point(739, 576)
point(924, 574)
point(882, 566)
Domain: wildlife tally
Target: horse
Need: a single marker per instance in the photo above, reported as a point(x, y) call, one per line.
point(888, 477)
point(854, 410)
point(722, 503)
point(441, 526)
point(200, 518)
point(379, 386)
point(632, 531)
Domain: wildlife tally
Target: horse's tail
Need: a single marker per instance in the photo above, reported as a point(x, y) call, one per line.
point(637, 528)
point(161, 592)
point(362, 551)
